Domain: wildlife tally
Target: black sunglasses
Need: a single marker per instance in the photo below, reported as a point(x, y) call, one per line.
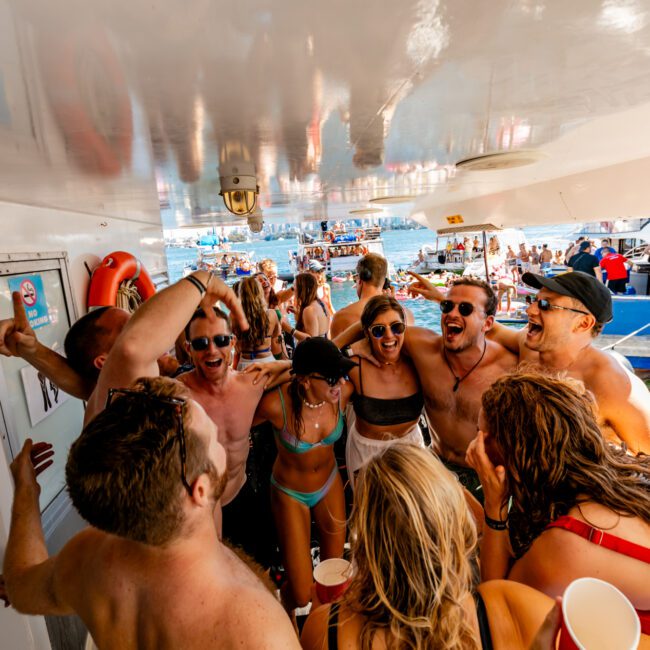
point(203, 342)
point(379, 330)
point(464, 308)
point(177, 403)
point(331, 381)
point(545, 305)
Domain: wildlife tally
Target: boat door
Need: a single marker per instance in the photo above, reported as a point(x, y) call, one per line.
point(33, 407)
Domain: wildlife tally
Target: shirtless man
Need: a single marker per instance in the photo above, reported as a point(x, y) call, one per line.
point(150, 573)
point(371, 273)
point(570, 311)
point(545, 257)
point(228, 397)
point(455, 368)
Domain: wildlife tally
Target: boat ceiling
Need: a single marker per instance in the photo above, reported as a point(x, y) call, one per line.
point(124, 107)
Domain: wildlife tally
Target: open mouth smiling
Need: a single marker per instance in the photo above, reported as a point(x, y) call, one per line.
point(213, 363)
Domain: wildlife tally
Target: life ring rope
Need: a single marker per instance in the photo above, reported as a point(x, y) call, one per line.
point(115, 280)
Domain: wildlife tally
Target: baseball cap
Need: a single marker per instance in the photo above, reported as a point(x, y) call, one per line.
point(592, 293)
point(315, 266)
point(585, 245)
point(319, 355)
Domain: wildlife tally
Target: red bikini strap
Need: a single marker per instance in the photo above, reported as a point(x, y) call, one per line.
point(601, 538)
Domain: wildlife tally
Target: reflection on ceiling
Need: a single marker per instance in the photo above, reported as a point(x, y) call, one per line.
point(128, 108)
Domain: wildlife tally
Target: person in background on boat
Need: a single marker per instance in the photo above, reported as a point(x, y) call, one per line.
point(263, 338)
point(584, 261)
point(147, 474)
point(616, 267)
point(573, 249)
point(545, 258)
point(505, 286)
point(570, 310)
point(559, 257)
point(511, 263)
point(312, 318)
point(579, 507)
point(387, 401)
point(523, 259)
point(599, 252)
point(324, 291)
point(534, 259)
point(414, 550)
point(307, 418)
point(454, 369)
point(371, 273)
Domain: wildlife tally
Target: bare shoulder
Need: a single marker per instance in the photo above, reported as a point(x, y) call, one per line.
point(515, 612)
point(343, 318)
point(243, 381)
point(502, 356)
point(314, 633)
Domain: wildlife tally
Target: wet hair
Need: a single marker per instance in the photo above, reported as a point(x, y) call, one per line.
point(124, 471)
point(86, 340)
point(199, 313)
point(373, 269)
point(251, 295)
point(413, 543)
point(378, 305)
point(490, 297)
point(306, 291)
point(555, 456)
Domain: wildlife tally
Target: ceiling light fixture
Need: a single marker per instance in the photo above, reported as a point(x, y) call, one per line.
point(239, 187)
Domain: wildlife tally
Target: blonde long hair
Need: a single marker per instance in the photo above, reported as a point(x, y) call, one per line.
point(413, 541)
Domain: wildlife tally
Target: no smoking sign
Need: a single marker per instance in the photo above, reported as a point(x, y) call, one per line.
point(32, 293)
point(28, 292)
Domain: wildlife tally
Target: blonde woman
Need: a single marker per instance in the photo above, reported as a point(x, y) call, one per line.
point(414, 546)
point(262, 340)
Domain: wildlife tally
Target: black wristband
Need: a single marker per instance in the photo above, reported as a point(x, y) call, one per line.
point(197, 283)
point(496, 524)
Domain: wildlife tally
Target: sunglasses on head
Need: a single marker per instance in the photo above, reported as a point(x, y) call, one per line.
point(379, 330)
point(331, 381)
point(203, 342)
point(545, 305)
point(464, 308)
point(176, 403)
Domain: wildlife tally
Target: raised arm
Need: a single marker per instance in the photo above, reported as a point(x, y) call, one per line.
point(153, 329)
point(506, 336)
point(17, 339)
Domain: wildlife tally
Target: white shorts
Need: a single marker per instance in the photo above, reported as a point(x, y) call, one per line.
point(244, 363)
point(359, 449)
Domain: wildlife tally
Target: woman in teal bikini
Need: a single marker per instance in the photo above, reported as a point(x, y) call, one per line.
point(307, 418)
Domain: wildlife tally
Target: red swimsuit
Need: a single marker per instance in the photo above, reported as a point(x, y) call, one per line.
point(613, 543)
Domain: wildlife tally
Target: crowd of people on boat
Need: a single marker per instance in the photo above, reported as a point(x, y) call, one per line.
point(468, 475)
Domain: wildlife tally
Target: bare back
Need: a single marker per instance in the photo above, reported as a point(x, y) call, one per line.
point(133, 596)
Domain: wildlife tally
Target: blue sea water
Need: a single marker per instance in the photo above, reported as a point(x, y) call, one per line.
point(400, 246)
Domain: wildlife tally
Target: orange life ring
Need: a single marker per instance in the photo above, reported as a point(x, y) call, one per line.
point(329, 236)
point(115, 269)
point(100, 142)
point(359, 233)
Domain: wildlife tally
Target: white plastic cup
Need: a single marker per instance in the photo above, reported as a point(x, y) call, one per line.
point(597, 616)
point(332, 578)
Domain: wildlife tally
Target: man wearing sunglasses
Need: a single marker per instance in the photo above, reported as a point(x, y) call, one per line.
point(569, 312)
point(230, 398)
point(150, 572)
point(369, 278)
point(454, 369)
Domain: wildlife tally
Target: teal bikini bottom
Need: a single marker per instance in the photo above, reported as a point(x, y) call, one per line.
point(309, 499)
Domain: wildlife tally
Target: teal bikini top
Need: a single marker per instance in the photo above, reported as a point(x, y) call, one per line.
point(296, 446)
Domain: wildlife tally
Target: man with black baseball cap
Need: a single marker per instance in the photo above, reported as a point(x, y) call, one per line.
point(584, 261)
point(567, 314)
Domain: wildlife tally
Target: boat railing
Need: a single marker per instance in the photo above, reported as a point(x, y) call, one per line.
point(636, 251)
point(625, 338)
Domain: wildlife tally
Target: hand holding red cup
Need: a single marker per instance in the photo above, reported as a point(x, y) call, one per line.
point(332, 578)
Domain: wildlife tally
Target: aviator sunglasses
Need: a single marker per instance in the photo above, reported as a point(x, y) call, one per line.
point(331, 381)
point(396, 328)
point(464, 308)
point(202, 342)
point(545, 305)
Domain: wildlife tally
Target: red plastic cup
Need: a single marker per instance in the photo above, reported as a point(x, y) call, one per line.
point(597, 616)
point(332, 578)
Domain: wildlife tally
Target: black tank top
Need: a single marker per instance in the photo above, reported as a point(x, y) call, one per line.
point(386, 412)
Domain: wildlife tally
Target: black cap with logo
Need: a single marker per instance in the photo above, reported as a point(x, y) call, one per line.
point(319, 355)
point(590, 291)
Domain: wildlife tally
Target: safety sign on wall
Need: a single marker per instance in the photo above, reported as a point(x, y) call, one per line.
point(43, 396)
point(31, 291)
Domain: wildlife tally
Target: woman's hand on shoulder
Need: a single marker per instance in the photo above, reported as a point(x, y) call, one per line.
point(267, 373)
point(362, 349)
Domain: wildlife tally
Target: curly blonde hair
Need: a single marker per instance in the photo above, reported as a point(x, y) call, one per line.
point(413, 542)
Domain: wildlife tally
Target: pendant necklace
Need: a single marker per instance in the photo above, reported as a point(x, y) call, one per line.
point(468, 373)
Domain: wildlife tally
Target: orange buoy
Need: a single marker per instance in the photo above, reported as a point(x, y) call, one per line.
point(359, 233)
point(329, 236)
point(116, 268)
